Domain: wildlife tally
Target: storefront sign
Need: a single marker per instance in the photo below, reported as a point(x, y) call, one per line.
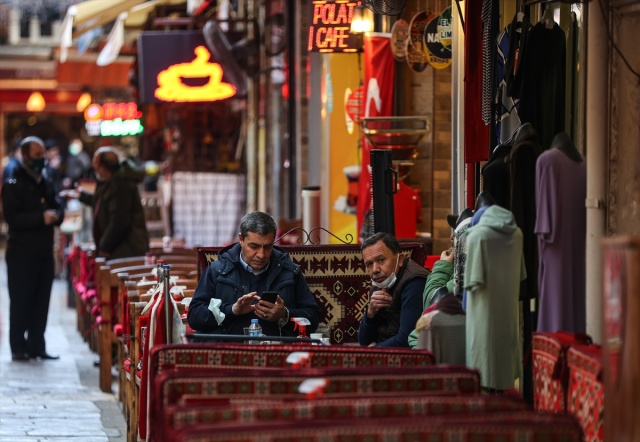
point(185, 72)
point(331, 25)
point(113, 119)
point(172, 87)
point(439, 56)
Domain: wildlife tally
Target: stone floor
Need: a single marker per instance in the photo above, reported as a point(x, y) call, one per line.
point(54, 400)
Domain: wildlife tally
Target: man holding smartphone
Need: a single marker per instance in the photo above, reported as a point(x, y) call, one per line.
point(253, 278)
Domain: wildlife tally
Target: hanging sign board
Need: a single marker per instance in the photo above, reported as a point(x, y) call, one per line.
point(399, 37)
point(438, 56)
point(416, 54)
point(445, 28)
point(330, 27)
point(113, 119)
point(185, 71)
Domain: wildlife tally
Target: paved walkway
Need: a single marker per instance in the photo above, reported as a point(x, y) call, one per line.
point(54, 400)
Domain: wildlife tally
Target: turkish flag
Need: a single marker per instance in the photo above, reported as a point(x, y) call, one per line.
point(379, 71)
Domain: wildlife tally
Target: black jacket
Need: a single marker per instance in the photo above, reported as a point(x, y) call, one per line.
point(24, 200)
point(119, 224)
point(225, 279)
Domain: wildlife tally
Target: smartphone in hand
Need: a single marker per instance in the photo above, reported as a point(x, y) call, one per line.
point(269, 296)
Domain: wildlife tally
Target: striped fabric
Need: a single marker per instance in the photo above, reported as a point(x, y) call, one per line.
point(444, 336)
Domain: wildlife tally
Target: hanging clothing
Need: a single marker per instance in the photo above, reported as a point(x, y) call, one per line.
point(543, 90)
point(495, 174)
point(490, 22)
point(561, 184)
point(495, 267)
point(521, 161)
point(510, 49)
point(476, 133)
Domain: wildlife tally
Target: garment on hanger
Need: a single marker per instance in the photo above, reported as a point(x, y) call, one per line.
point(561, 230)
point(476, 133)
point(490, 28)
point(510, 47)
point(543, 90)
point(495, 174)
point(521, 162)
point(565, 144)
point(494, 269)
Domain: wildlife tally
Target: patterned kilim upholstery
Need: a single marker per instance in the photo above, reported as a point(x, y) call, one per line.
point(550, 373)
point(586, 390)
point(504, 427)
point(337, 278)
point(358, 408)
point(175, 387)
point(243, 356)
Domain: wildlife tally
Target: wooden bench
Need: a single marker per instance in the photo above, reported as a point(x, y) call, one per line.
point(110, 277)
point(337, 278)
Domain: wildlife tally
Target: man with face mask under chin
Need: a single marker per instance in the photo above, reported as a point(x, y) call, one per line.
point(119, 226)
point(395, 297)
point(31, 209)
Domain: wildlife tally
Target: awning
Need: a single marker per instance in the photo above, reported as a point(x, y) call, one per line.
point(90, 14)
point(93, 13)
point(138, 14)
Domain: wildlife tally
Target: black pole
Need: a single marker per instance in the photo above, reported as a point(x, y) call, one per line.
point(292, 29)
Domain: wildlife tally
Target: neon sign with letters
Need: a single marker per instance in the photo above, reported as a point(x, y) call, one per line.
point(331, 25)
point(172, 87)
point(113, 119)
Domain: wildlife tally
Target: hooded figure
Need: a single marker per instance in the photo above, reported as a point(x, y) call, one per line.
point(494, 269)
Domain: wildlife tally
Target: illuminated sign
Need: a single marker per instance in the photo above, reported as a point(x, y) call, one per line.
point(179, 67)
point(330, 26)
point(172, 87)
point(113, 119)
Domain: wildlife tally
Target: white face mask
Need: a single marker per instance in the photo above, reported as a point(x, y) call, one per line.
point(75, 148)
point(391, 279)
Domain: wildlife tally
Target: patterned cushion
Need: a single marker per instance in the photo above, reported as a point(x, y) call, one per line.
point(190, 387)
point(396, 407)
point(337, 278)
point(503, 427)
point(550, 375)
point(215, 356)
point(586, 390)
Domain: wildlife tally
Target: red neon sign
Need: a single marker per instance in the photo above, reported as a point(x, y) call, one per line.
point(331, 25)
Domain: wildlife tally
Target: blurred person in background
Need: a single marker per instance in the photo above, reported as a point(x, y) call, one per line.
point(31, 209)
point(119, 226)
point(78, 164)
point(12, 161)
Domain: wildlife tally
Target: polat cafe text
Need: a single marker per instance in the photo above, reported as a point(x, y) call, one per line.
point(330, 26)
point(113, 119)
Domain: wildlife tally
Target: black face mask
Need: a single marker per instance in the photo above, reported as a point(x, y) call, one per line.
point(36, 165)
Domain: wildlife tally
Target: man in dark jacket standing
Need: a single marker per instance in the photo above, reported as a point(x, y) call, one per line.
point(228, 293)
point(395, 299)
point(119, 227)
point(31, 209)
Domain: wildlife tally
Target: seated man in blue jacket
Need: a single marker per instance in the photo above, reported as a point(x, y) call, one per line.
point(395, 299)
point(228, 294)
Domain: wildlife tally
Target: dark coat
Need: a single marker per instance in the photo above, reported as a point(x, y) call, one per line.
point(24, 200)
point(227, 280)
point(119, 224)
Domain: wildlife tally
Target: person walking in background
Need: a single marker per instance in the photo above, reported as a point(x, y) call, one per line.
point(228, 294)
point(77, 166)
point(119, 227)
point(12, 161)
point(31, 209)
point(395, 299)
